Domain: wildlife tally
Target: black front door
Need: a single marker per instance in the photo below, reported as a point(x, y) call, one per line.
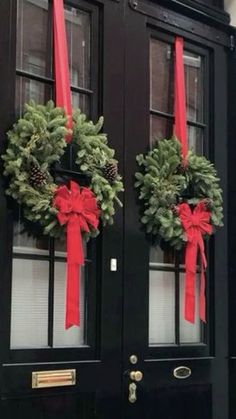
point(37, 353)
point(121, 62)
point(154, 328)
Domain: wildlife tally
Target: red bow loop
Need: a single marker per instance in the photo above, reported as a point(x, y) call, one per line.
point(195, 223)
point(77, 208)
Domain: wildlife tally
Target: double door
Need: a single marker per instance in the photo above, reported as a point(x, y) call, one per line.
point(134, 346)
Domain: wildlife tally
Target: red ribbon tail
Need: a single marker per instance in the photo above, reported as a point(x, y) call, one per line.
point(75, 258)
point(189, 307)
point(202, 296)
point(72, 296)
point(180, 126)
point(190, 266)
point(62, 74)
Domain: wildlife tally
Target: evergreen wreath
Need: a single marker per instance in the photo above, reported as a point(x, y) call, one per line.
point(36, 143)
point(164, 182)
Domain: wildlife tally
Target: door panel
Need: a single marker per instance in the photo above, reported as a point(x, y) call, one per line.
point(186, 401)
point(52, 407)
point(154, 327)
point(32, 332)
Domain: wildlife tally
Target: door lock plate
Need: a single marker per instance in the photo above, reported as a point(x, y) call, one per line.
point(182, 372)
point(132, 393)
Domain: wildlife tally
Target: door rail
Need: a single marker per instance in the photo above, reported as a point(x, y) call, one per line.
point(200, 27)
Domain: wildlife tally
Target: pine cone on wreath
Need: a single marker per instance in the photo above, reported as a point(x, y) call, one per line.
point(174, 209)
point(110, 171)
point(37, 178)
point(181, 169)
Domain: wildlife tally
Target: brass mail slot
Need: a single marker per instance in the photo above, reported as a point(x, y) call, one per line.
point(57, 378)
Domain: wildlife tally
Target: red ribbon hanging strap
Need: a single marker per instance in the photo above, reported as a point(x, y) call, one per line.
point(195, 223)
point(77, 209)
point(180, 127)
point(61, 62)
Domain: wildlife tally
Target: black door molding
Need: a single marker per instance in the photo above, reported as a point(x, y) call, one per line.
point(203, 13)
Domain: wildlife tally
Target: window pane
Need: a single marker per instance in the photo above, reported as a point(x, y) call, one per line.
point(160, 128)
point(23, 242)
point(75, 336)
point(82, 102)
point(34, 37)
point(78, 40)
point(161, 76)
point(161, 308)
point(159, 256)
point(29, 305)
point(194, 86)
point(27, 89)
point(195, 139)
point(162, 80)
point(189, 333)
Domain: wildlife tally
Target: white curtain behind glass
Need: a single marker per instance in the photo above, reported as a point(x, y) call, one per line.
point(29, 307)
point(161, 308)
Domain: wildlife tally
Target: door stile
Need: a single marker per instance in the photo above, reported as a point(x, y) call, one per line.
point(220, 363)
point(135, 250)
point(112, 107)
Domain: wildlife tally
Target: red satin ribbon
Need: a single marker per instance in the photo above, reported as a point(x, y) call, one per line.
point(61, 63)
point(195, 224)
point(77, 208)
point(180, 127)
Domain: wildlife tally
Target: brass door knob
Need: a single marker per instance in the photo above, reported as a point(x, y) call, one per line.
point(136, 376)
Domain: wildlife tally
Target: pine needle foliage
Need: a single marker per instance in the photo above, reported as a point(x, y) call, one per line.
point(92, 156)
point(162, 184)
point(38, 140)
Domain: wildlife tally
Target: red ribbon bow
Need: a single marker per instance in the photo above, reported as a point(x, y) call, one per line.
point(77, 207)
point(195, 223)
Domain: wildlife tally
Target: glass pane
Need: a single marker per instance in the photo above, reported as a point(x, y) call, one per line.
point(189, 333)
point(159, 256)
point(60, 247)
point(78, 40)
point(160, 128)
point(195, 139)
point(29, 306)
point(161, 76)
point(27, 89)
point(25, 243)
point(194, 86)
point(34, 37)
point(75, 336)
point(161, 308)
point(82, 102)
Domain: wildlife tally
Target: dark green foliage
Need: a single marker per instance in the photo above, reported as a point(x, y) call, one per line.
point(163, 182)
point(93, 154)
point(37, 141)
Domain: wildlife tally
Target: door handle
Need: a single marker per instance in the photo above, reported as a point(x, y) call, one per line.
point(132, 393)
point(136, 376)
